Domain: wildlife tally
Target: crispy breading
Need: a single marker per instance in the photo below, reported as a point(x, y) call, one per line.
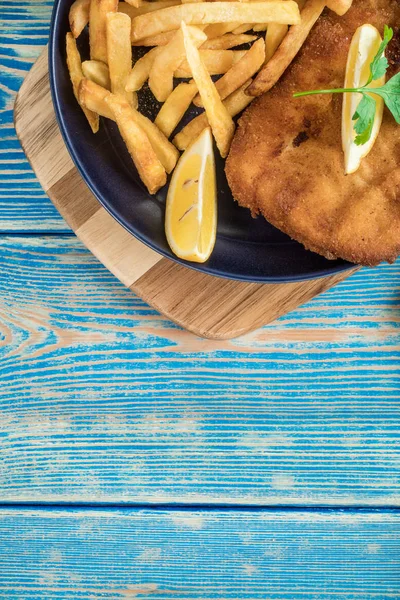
point(286, 160)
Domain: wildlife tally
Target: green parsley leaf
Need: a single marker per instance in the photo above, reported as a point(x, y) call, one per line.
point(380, 63)
point(364, 118)
point(390, 92)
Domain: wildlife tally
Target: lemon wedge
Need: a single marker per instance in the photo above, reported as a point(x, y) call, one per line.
point(363, 48)
point(191, 210)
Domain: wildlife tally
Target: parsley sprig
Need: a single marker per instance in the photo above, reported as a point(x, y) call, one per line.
point(364, 116)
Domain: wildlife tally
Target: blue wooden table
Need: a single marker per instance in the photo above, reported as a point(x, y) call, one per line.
point(138, 461)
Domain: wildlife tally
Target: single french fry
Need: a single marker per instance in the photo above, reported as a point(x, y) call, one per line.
point(79, 16)
point(135, 3)
point(290, 46)
point(97, 27)
point(261, 26)
point(272, 11)
point(166, 62)
point(340, 7)
point(94, 97)
point(244, 27)
point(273, 39)
point(161, 39)
point(141, 70)
point(175, 107)
point(227, 41)
point(234, 104)
point(119, 55)
point(145, 7)
point(239, 73)
point(218, 29)
point(220, 121)
point(74, 64)
point(150, 170)
point(98, 72)
point(216, 62)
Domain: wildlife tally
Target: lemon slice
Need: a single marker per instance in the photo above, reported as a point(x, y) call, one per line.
point(363, 49)
point(191, 211)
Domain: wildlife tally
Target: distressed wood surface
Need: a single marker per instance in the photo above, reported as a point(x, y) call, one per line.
point(88, 555)
point(24, 27)
point(104, 400)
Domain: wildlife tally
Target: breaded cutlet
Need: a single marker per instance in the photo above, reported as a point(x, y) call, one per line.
point(286, 160)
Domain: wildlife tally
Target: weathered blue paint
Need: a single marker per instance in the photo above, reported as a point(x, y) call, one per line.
point(161, 555)
point(104, 401)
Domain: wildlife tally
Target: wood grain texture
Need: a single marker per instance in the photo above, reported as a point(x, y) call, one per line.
point(104, 400)
point(207, 306)
point(24, 27)
point(120, 554)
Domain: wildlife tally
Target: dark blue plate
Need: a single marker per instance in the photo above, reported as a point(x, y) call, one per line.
point(246, 248)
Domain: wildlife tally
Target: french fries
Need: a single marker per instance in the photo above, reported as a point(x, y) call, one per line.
point(219, 29)
point(141, 70)
point(98, 72)
point(145, 7)
point(79, 16)
point(272, 11)
point(161, 39)
point(94, 97)
point(135, 3)
point(168, 60)
point(340, 7)
point(291, 44)
point(97, 28)
point(273, 39)
point(241, 72)
point(220, 121)
point(234, 104)
point(119, 55)
point(75, 72)
point(175, 107)
point(150, 169)
point(246, 27)
point(227, 41)
point(215, 61)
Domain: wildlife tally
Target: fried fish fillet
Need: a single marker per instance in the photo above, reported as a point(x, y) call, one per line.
point(286, 160)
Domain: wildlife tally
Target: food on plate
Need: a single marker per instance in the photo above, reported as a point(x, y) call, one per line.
point(239, 73)
point(234, 104)
point(286, 160)
point(273, 38)
point(216, 62)
point(150, 169)
point(167, 61)
point(79, 16)
point(175, 106)
point(119, 55)
point(218, 117)
point(75, 72)
point(227, 41)
point(289, 47)
point(145, 7)
point(141, 70)
point(191, 208)
point(97, 29)
point(202, 13)
point(98, 72)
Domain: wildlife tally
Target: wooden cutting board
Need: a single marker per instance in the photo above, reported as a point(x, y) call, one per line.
point(208, 306)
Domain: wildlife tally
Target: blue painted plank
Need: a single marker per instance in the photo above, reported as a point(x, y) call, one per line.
point(103, 400)
point(24, 28)
point(159, 555)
